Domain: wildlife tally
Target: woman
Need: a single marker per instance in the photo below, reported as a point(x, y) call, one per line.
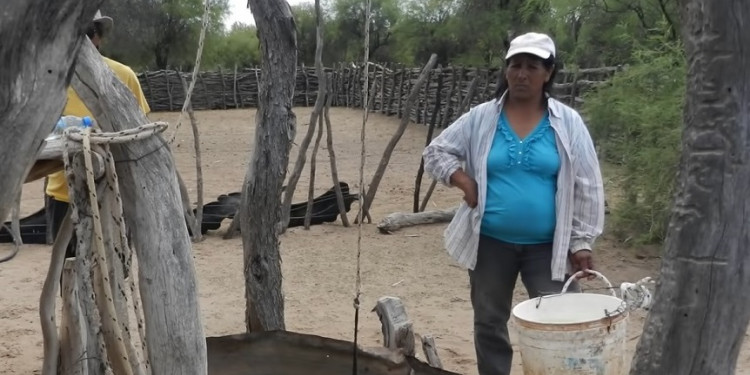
point(533, 194)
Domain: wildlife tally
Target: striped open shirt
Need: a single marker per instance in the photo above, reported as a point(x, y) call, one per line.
point(580, 193)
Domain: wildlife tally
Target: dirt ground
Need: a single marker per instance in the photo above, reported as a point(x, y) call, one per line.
point(319, 264)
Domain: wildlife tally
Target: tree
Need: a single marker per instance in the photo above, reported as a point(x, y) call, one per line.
point(160, 33)
point(34, 80)
point(698, 321)
point(260, 214)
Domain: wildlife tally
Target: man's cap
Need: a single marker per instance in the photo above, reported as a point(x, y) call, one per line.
point(105, 21)
point(537, 44)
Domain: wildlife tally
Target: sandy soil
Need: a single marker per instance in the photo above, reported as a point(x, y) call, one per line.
point(319, 264)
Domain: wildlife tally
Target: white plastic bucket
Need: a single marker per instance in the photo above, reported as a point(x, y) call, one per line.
point(572, 333)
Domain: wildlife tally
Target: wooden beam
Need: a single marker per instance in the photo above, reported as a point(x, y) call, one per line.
point(396, 326)
point(174, 332)
point(40, 40)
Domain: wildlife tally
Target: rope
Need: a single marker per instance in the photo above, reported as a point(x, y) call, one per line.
point(101, 273)
point(196, 67)
point(360, 215)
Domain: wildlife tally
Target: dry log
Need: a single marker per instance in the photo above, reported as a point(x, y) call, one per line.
point(175, 338)
point(398, 220)
point(430, 351)
point(396, 326)
point(34, 80)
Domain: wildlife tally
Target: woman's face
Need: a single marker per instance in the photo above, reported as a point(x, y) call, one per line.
point(526, 76)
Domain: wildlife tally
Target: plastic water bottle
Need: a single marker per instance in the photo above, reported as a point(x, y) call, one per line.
point(70, 122)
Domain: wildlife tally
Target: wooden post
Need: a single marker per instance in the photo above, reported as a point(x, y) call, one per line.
point(175, 338)
point(382, 89)
point(332, 157)
point(396, 326)
point(430, 131)
point(261, 207)
point(701, 311)
point(237, 104)
point(223, 88)
point(400, 95)
point(373, 186)
point(73, 325)
point(299, 164)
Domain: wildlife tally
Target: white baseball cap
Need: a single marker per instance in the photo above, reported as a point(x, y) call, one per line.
point(536, 44)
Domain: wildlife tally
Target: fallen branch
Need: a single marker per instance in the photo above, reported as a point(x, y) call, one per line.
point(398, 220)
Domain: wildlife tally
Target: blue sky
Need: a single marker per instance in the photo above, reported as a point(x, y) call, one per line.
point(238, 11)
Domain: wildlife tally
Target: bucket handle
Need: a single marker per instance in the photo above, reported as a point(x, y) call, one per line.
point(591, 272)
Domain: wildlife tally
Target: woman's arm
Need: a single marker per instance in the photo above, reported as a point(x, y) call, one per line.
point(588, 195)
point(445, 154)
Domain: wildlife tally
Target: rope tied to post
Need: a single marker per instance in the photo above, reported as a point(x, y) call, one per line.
point(115, 339)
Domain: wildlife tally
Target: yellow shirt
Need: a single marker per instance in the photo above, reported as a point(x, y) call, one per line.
point(57, 187)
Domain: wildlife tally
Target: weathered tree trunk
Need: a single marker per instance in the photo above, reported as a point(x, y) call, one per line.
point(700, 314)
point(153, 211)
point(275, 130)
point(40, 40)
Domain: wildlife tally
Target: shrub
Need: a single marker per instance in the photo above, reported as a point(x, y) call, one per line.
point(636, 121)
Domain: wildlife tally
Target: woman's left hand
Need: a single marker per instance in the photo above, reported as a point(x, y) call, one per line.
point(582, 260)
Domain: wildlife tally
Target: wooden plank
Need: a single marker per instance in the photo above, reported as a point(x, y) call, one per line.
point(396, 326)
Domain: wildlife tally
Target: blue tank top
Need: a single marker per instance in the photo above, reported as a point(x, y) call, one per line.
point(521, 185)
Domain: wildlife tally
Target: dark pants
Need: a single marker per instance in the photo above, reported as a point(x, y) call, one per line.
point(492, 282)
point(57, 213)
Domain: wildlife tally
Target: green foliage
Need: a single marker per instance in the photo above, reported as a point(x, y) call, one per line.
point(636, 121)
point(160, 33)
point(238, 47)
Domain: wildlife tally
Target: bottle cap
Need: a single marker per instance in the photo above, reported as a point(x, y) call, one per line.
point(86, 122)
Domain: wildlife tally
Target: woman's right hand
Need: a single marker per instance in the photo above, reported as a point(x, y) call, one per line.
point(467, 184)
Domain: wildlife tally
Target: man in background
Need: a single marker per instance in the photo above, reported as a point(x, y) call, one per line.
point(56, 191)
